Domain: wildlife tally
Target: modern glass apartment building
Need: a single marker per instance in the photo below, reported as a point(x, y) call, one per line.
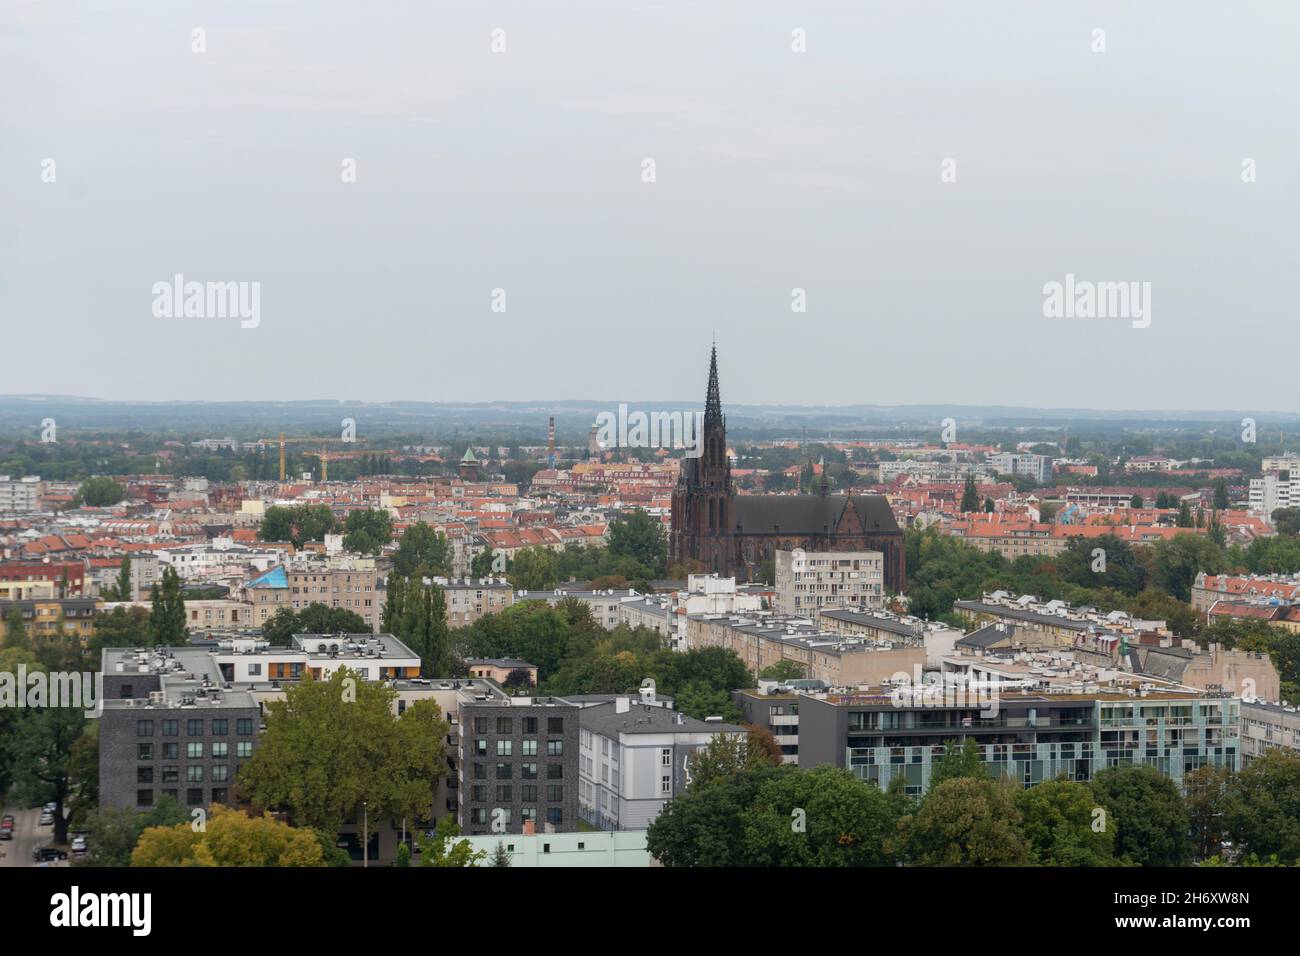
point(1028, 736)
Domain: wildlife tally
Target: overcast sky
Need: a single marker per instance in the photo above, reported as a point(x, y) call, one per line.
point(775, 170)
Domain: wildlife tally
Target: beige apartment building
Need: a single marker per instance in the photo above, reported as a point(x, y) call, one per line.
point(837, 659)
point(469, 600)
point(360, 590)
point(807, 581)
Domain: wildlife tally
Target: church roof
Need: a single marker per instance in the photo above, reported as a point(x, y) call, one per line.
point(468, 457)
point(808, 514)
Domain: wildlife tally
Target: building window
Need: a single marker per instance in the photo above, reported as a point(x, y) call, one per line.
point(171, 775)
point(554, 748)
point(480, 747)
point(221, 750)
point(555, 815)
point(171, 728)
point(505, 725)
point(144, 751)
point(220, 773)
point(504, 748)
point(555, 725)
point(555, 771)
point(144, 728)
point(218, 794)
point(530, 725)
point(505, 771)
point(528, 771)
point(555, 793)
point(194, 773)
point(194, 750)
point(480, 725)
point(666, 757)
point(144, 774)
point(220, 727)
point(194, 796)
point(194, 728)
point(244, 749)
point(505, 793)
point(244, 726)
point(144, 798)
point(528, 792)
point(665, 784)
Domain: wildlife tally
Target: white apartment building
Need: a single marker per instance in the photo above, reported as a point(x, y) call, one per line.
point(1273, 491)
point(807, 581)
point(634, 756)
point(20, 495)
point(1038, 467)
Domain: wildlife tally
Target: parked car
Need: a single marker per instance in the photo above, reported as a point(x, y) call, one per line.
point(78, 846)
point(44, 854)
point(47, 818)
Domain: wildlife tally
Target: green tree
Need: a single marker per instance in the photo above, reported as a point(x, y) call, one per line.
point(1146, 812)
point(121, 589)
point(297, 524)
point(966, 822)
point(1180, 558)
point(441, 848)
point(641, 537)
point(1221, 500)
point(784, 670)
point(423, 627)
point(15, 627)
point(422, 552)
point(1058, 818)
point(112, 833)
point(704, 826)
point(1205, 789)
point(167, 625)
point(100, 492)
point(500, 856)
point(532, 569)
point(331, 746)
point(1287, 521)
point(1261, 807)
point(960, 760)
point(820, 817)
point(726, 755)
point(970, 496)
point(41, 748)
point(481, 566)
point(367, 531)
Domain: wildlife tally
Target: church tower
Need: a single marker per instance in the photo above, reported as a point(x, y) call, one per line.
point(703, 496)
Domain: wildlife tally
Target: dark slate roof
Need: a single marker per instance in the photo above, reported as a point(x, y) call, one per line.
point(988, 636)
point(1166, 662)
point(647, 719)
point(808, 514)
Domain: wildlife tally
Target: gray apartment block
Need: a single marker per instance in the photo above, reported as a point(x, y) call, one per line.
point(1266, 727)
point(168, 726)
point(518, 761)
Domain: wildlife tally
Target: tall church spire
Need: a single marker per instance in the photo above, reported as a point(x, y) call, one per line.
point(713, 403)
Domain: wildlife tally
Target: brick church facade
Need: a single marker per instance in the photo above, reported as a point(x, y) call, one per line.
point(716, 529)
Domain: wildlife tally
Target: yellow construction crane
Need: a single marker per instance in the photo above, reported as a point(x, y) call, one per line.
point(323, 454)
